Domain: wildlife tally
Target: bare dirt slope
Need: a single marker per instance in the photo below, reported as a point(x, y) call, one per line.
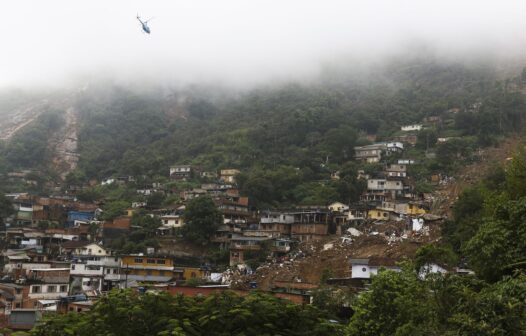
point(489, 158)
point(64, 144)
point(14, 120)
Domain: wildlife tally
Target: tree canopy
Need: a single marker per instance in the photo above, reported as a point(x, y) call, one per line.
point(202, 218)
point(126, 313)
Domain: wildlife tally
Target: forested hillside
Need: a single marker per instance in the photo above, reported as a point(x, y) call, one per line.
point(287, 138)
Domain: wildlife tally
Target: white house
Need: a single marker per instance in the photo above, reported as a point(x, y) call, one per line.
point(338, 207)
point(365, 268)
point(431, 268)
point(48, 291)
point(382, 185)
point(395, 146)
point(413, 127)
point(91, 250)
point(95, 272)
point(406, 161)
point(172, 221)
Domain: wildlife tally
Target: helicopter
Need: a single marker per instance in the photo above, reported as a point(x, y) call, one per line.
point(144, 24)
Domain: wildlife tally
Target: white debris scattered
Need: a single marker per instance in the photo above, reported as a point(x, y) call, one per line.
point(328, 246)
point(354, 232)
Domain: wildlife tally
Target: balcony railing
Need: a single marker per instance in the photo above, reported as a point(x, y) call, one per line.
point(245, 247)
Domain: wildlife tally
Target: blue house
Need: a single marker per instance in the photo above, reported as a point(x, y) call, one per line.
point(80, 216)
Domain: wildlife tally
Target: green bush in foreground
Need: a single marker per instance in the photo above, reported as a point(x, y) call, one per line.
point(127, 313)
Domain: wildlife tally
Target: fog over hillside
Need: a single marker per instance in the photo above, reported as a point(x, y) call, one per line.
point(237, 42)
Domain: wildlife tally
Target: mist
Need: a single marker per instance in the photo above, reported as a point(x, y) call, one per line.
point(242, 43)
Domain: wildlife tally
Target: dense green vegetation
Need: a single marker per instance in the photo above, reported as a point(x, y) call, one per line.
point(489, 222)
point(29, 148)
point(160, 314)
point(289, 139)
point(202, 219)
point(404, 304)
point(396, 303)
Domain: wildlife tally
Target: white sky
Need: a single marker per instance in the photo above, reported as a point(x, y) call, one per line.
point(238, 41)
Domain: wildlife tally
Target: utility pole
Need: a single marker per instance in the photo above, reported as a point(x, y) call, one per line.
point(126, 278)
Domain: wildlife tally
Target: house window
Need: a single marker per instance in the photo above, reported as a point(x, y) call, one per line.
point(193, 275)
point(100, 251)
point(364, 269)
point(18, 290)
point(108, 271)
point(385, 214)
point(138, 260)
point(35, 289)
point(150, 261)
point(161, 261)
point(72, 267)
point(51, 289)
point(17, 305)
point(63, 288)
point(89, 250)
point(114, 271)
point(148, 272)
point(161, 273)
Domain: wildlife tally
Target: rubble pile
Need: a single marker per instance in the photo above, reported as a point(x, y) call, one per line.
point(310, 261)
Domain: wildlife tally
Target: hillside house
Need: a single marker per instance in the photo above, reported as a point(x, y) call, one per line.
point(380, 214)
point(394, 187)
point(115, 228)
point(369, 153)
point(374, 197)
point(310, 225)
point(90, 272)
point(394, 147)
point(209, 175)
point(411, 128)
point(172, 221)
point(415, 209)
point(90, 249)
point(431, 268)
point(146, 268)
point(191, 194)
point(276, 222)
point(357, 213)
point(229, 175)
point(48, 283)
point(365, 268)
point(181, 172)
point(241, 244)
point(396, 170)
point(186, 272)
point(83, 216)
point(13, 296)
point(406, 161)
point(338, 207)
point(234, 209)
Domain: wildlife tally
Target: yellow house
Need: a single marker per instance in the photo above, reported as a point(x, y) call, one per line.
point(415, 209)
point(147, 269)
point(185, 273)
point(378, 214)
